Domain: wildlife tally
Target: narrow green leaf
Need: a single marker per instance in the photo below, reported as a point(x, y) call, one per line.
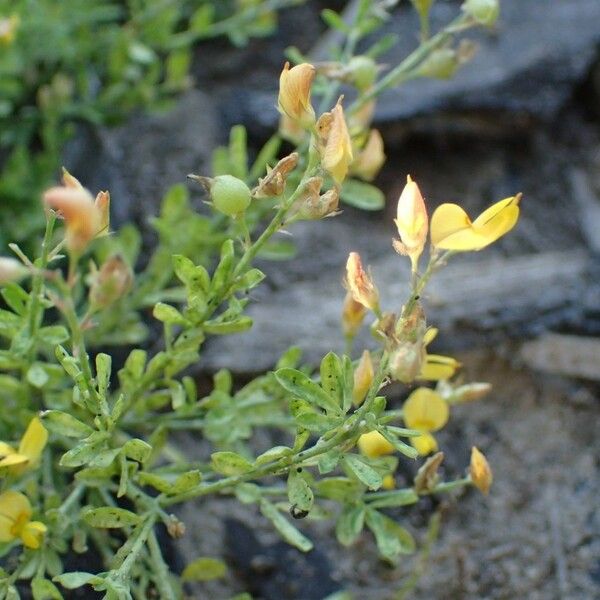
point(110, 517)
point(362, 195)
point(334, 21)
point(137, 450)
point(76, 579)
point(287, 531)
point(363, 472)
point(65, 424)
point(204, 569)
point(168, 314)
point(350, 523)
point(300, 495)
point(301, 385)
point(230, 463)
point(392, 539)
point(238, 154)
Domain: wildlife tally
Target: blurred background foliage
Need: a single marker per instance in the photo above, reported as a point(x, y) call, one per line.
point(94, 61)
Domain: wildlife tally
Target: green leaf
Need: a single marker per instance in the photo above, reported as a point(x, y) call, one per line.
point(391, 538)
point(334, 21)
point(287, 531)
point(247, 493)
point(82, 453)
point(300, 495)
point(395, 498)
point(331, 376)
point(37, 376)
point(229, 463)
point(362, 195)
point(272, 454)
point(350, 523)
point(63, 423)
point(238, 155)
point(53, 335)
point(16, 297)
point(168, 314)
point(194, 277)
point(398, 444)
point(340, 489)
point(204, 569)
point(110, 517)
point(225, 266)
point(278, 250)
point(43, 589)
point(238, 325)
point(249, 280)
point(301, 385)
point(103, 370)
point(137, 450)
point(201, 20)
point(186, 481)
point(76, 579)
point(363, 472)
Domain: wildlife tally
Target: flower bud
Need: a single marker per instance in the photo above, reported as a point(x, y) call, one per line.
point(427, 476)
point(412, 223)
point(274, 182)
point(360, 284)
point(353, 315)
point(336, 153)
point(8, 30)
point(11, 269)
point(363, 378)
point(82, 217)
point(406, 361)
point(466, 393)
point(110, 283)
point(102, 204)
point(480, 471)
point(294, 93)
point(373, 445)
point(485, 12)
point(371, 158)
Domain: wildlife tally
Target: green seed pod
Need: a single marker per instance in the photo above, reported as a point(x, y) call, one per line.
point(230, 195)
point(363, 70)
point(484, 12)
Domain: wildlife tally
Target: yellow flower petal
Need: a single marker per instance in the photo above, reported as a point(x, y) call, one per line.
point(451, 228)
point(12, 460)
point(438, 367)
point(14, 506)
point(424, 444)
point(6, 449)
point(337, 154)
point(294, 93)
point(480, 471)
point(33, 441)
point(425, 410)
point(33, 533)
point(373, 444)
point(389, 483)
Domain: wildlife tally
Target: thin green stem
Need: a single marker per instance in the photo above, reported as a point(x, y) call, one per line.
point(162, 575)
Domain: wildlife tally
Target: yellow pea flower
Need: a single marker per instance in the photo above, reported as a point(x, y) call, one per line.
point(412, 223)
point(360, 284)
point(427, 412)
point(389, 482)
point(30, 449)
point(451, 228)
point(15, 521)
point(437, 367)
point(294, 93)
point(353, 315)
point(371, 157)
point(363, 378)
point(336, 154)
point(480, 471)
point(373, 445)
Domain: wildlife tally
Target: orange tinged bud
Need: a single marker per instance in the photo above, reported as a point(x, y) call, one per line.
point(412, 223)
point(480, 471)
point(82, 217)
point(353, 315)
point(336, 154)
point(294, 93)
point(102, 204)
point(363, 378)
point(110, 283)
point(371, 158)
point(360, 284)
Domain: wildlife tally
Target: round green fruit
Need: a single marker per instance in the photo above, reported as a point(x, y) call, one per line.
point(230, 195)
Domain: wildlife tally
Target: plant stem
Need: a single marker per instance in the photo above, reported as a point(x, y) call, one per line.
point(162, 575)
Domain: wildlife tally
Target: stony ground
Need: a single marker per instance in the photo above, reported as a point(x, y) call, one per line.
point(536, 536)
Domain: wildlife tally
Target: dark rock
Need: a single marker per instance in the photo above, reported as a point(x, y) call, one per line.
point(277, 571)
point(141, 159)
